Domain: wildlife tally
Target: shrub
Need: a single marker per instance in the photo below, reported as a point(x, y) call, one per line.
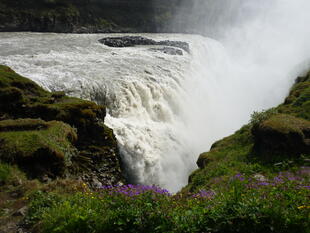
point(259, 117)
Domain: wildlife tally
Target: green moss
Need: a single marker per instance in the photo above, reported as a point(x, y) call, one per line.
point(22, 98)
point(28, 136)
point(227, 157)
point(8, 78)
point(285, 124)
point(35, 141)
point(298, 101)
point(10, 174)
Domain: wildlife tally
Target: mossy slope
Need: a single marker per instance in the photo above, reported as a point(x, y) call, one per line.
point(37, 146)
point(276, 139)
point(38, 124)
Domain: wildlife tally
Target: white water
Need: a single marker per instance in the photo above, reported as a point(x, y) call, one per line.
point(145, 93)
point(166, 109)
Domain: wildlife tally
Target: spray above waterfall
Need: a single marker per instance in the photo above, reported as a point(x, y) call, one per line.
point(267, 46)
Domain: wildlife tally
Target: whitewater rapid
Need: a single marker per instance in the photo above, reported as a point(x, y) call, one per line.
point(164, 109)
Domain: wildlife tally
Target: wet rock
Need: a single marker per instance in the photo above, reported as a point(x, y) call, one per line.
point(168, 50)
point(130, 41)
point(177, 44)
point(126, 41)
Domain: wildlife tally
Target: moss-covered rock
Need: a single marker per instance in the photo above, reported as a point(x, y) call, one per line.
point(80, 125)
point(39, 147)
point(298, 101)
point(282, 135)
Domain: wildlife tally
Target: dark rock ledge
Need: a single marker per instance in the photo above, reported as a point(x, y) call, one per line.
point(130, 41)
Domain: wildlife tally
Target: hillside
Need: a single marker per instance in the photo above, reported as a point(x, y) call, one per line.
point(257, 178)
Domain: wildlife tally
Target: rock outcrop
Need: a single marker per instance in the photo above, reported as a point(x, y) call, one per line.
point(282, 135)
point(50, 134)
point(130, 41)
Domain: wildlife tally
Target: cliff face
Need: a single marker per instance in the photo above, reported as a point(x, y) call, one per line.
point(87, 15)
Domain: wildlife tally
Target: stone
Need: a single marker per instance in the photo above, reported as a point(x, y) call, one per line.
point(21, 212)
point(130, 41)
point(282, 135)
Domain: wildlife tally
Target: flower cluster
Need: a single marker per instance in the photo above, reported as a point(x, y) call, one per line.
point(298, 178)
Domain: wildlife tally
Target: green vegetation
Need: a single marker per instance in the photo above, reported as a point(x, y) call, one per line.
point(37, 145)
point(269, 137)
point(238, 188)
point(256, 180)
point(259, 206)
point(49, 142)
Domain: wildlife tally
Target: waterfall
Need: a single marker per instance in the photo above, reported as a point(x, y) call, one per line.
point(166, 109)
point(145, 91)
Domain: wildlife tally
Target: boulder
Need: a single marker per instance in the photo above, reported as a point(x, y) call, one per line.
point(282, 135)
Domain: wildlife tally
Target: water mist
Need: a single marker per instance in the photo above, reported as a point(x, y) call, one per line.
point(262, 46)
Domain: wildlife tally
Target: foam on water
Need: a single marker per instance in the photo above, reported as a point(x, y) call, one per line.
point(143, 90)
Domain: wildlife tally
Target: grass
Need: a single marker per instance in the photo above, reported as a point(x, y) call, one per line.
point(277, 207)
point(19, 143)
point(235, 189)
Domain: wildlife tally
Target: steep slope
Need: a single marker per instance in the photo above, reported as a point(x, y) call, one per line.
point(275, 140)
